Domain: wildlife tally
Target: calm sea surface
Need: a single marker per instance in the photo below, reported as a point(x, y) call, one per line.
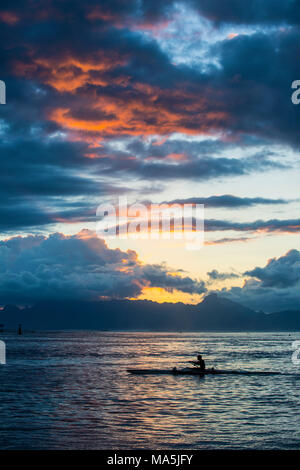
point(70, 390)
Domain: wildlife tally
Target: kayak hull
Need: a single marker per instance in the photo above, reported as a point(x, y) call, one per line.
point(195, 371)
point(165, 372)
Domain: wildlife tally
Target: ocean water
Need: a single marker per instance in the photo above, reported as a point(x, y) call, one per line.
point(71, 390)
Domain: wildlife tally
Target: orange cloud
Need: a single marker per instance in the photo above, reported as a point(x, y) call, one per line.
point(177, 156)
point(9, 17)
point(144, 114)
point(109, 104)
point(98, 13)
point(155, 28)
point(68, 74)
point(232, 35)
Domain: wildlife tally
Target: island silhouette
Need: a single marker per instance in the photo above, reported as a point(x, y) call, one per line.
point(214, 313)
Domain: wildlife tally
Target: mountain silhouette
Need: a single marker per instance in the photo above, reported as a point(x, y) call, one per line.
point(214, 313)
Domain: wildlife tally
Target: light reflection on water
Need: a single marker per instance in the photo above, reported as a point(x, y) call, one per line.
point(70, 390)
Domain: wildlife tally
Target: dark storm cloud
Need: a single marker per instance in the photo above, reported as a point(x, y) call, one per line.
point(45, 182)
point(258, 71)
point(201, 168)
point(267, 226)
point(279, 272)
point(111, 82)
point(114, 11)
point(231, 11)
point(184, 159)
point(226, 240)
point(250, 11)
point(44, 178)
point(273, 287)
point(248, 93)
point(160, 278)
point(228, 201)
point(275, 226)
point(78, 267)
point(40, 172)
point(25, 213)
point(139, 90)
point(61, 267)
point(215, 275)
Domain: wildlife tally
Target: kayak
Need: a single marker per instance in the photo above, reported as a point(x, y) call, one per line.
point(187, 371)
point(195, 371)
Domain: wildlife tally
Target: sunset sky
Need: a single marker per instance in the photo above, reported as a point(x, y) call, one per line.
point(159, 101)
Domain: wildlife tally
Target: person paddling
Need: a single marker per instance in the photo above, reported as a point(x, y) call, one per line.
point(200, 362)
